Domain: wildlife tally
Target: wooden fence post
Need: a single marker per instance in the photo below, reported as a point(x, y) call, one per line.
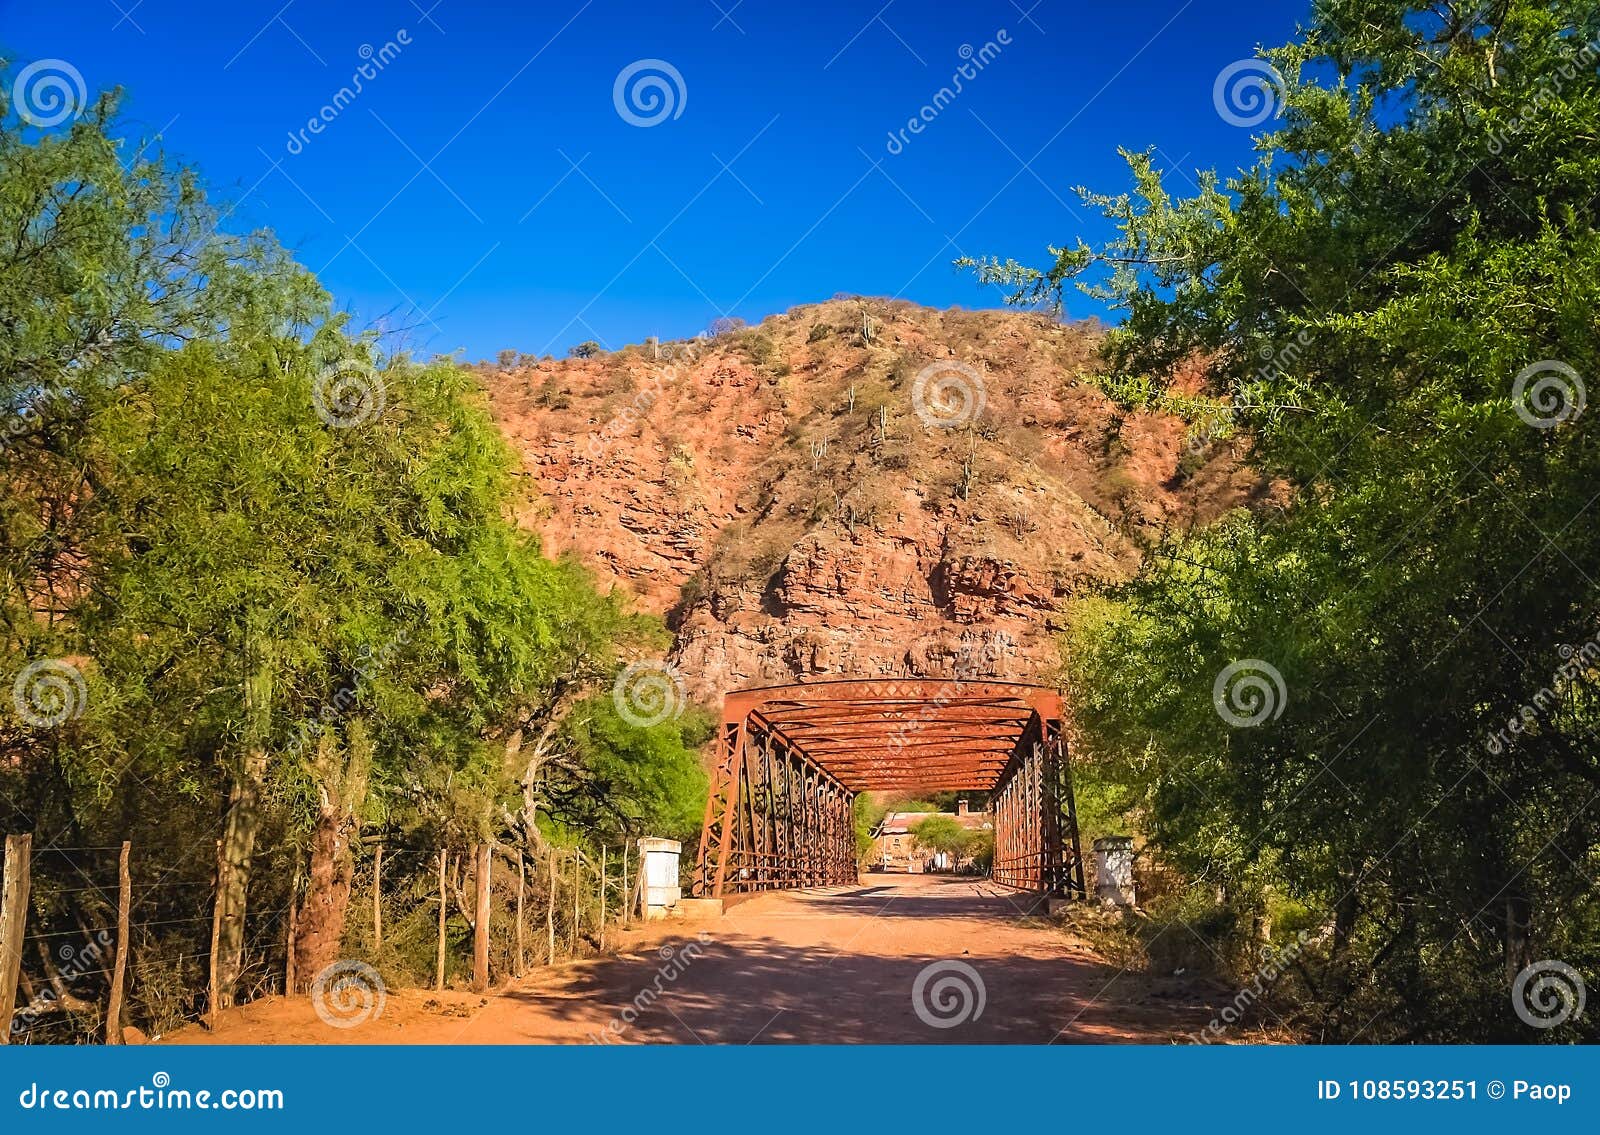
point(480, 924)
point(13, 923)
point(292, 923)
point(438, 975)
point(216, 940)
point(522, 887)
point(119, 968)
point(577, 889)
point(550, 907)
point(627, 899)
point(377, 901)
point(292, 930)
point(602, 898)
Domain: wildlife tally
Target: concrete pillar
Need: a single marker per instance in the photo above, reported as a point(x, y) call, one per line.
point(1113, 870)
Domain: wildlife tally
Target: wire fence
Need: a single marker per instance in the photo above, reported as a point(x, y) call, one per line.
point(409, 911)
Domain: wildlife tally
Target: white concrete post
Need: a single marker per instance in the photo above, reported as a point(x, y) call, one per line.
point(1113, 870)
point(658, 865)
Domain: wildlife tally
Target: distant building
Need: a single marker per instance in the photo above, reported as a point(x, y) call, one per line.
point(894, 841)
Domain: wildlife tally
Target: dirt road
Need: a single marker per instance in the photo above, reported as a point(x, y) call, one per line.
point(827, 966)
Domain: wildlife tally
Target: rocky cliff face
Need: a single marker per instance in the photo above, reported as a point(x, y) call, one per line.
point(854, 488)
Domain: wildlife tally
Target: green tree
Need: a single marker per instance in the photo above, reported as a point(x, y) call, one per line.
point(282, 564)
point(1395, 308)
point(942, 834)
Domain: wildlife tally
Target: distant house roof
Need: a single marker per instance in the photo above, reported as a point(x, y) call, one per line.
point(901, 823)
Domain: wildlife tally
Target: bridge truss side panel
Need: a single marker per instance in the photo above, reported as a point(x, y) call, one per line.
point(775, 819)
point(1036, 816)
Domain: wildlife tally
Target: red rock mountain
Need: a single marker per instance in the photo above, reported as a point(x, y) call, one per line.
point(854, 488)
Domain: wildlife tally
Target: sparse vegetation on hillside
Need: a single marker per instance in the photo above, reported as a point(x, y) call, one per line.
point(820, 430)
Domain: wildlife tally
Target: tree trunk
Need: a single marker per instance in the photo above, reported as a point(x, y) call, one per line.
point(320, 927)
point(480, 921)
point(342, 782)
point(1518, 938)
point(239, 831)
point(243, 820)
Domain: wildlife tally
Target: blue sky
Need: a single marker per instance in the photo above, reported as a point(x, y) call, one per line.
point(484, 190)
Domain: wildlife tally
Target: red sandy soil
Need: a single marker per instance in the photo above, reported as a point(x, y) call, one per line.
point(811, 967)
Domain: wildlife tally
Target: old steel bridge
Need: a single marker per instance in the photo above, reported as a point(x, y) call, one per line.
point(792, 758)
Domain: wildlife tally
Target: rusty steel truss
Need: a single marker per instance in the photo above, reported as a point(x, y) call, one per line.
point(791, 760)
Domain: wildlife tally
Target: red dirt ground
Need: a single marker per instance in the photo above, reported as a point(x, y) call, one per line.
point(812, 967)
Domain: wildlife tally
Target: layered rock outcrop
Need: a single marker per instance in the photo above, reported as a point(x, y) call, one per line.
point(854, 488)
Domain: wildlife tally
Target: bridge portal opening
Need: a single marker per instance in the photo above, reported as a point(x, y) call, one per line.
point(792, 759)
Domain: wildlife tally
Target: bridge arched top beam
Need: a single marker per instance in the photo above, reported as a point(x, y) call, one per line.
point(882, 732)
point(888, 691)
